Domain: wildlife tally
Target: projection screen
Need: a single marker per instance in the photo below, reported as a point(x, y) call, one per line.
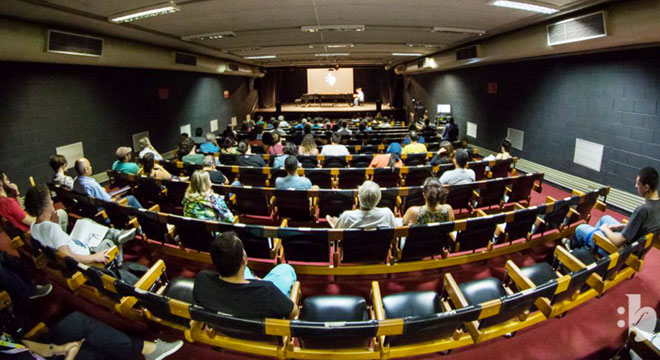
point(323, 81)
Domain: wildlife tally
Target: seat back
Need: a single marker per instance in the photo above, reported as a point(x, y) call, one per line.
point(294, 204)
point(153, 224)
point(501, 168)
point(253, 176)
point(320, 177)
point(119, 215)
point(521, 187)
point(335, 202)
point(414, 159)
point(555, 213)
point(365, 245)
point(386, 177)
point(516, 304)
point(227, 159)
point(491, 192)
point(360, 161)
point(194, 234)
point(521, 224)
point(334, 162)
point(460, 196)
point(308, 161)
point(413, 197)
point(149, 190)
point(310, 246)
point(256, 243)
point(159, 306)
point(479, 168)
point(416, 175)
point(426, 241)
point(478, 232)
point(246, 329)
point(251, 201)
point(351, 178)
point(321, 315)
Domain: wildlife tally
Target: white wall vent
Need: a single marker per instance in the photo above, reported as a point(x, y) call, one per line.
point(581, 28)
point(516, 137)
point(62, 42)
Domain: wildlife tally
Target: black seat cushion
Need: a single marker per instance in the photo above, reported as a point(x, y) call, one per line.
point(180, 289)
point(585, 255)
point(478, 291)
point(411, 303)
point(343, 315)
point(539, 273)
point(334, 308)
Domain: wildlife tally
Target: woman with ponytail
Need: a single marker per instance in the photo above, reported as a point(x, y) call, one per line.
point(434, 210)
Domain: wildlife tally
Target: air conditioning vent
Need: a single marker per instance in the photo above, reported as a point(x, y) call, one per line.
point(517, 138)
point(185, 59)
point(469, 52)
point(232, 67)
point(61, 42)
point(581, 28)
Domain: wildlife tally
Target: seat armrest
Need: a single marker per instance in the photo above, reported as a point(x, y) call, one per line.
point(605, 243)
point(155, 208)
point(123, 202)
point(150, 277)
point(566, 258)
point(377, 301)
point(515, 274)
point(455, 295)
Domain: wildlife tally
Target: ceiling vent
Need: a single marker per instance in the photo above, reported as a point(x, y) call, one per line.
point(459, 31)
point(61, 42)
point(470, 52)
point(185, 59)
point(581, 28)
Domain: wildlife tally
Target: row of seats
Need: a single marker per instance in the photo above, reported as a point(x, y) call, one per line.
point(380, 327)
point(347, 178)
point(350, 251)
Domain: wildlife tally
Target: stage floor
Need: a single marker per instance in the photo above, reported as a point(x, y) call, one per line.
point(325, 108)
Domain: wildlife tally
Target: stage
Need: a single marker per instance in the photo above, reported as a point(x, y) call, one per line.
point(331, 110)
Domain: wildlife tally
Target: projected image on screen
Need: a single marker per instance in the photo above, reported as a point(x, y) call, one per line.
point(323, 81)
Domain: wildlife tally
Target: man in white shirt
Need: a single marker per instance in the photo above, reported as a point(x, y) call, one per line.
point(460, 175)
point(344, 131)
point(358, 97)
point(334, 149)
point(368, 215)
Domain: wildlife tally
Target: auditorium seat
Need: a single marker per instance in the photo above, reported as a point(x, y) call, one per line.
point(307, 161)
point(479, 168)
point(249, 176)
point(414, 159)
point(296, 204)
point(320, 177)
point(478, 232)
point(415, 175)
point(335, 202)
point(194, 234)
point(365, 245)
point(351, 178)
point(334, 162)
point(307, 246)
point(251, 201)
point(491, 193)
point(424, 241)
point(520, 226)
point(460, 196)
point(521, 187)
point(385, 177)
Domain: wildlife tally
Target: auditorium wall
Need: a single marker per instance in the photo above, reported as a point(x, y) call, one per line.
point(49, 105)
point(606, 98)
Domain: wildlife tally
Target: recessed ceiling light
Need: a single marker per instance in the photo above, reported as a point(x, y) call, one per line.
point(424, 45)
point(257, 57)
point(145, 12)
point(331, 54)
point(455, 30)
point(526, 5)
point(332, 28)
point(209, 36)
point(406, 54)
point(333, 46)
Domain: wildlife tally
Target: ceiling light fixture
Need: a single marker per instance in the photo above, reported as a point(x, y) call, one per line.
point(428, 46)
point(526, 5)
point(145, 12)
point(332, 28)
point(209, 36)
point(406, 54)
point(455, 30)
point(331, 54)
point(258, 57)
point(332, 46)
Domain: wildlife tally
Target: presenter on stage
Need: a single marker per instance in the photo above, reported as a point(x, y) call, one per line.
point(358, 97)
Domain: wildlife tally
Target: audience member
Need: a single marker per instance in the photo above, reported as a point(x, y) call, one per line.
point(229, 132)
point(216, 176)
point(277, 130)
point(199, 138)
point(645, 218)
point(434, 208)
point(277, 148)
point(85, 184)
point(151, 169)
point(210, 146)
point(187, 152)
point(234, 290)
point(308, 146)
point(229, 145)
point(344, 131)
point(428, 130)
point(123, 164)
point(283, 123)
point(200, 202)
point(146, 147)
point(368, 215)
point(391, 158)
point(464, 144)
point(445, 154)
point(15, 279)
point(289, 149)
point(460, 175)
point(292, 180)
point(450, 133)
point(334, 149)
point(59, 164)
point(247, 158)
point(414, 147)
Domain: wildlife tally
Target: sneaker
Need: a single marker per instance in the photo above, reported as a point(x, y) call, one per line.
point(42, 290)
point(567, 243)
point(163, 349)
point(125, 236)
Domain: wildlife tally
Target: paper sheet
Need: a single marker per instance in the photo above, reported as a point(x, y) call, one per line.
point(71, 152)
point(88, 232)
point(214, 125)
point(588, 154)
point(186, 129)
point(136, 140)
point(472, 129)
point(234, 121)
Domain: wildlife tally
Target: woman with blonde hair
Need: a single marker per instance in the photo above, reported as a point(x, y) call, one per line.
point(434, 210)
point(200, 202)
point(146, 148)
point(308, 146)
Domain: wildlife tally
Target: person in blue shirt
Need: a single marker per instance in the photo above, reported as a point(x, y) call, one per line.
point(85, 184)
point(289, 149)
point(123, 164)
point(210, 146)
point(292, 180)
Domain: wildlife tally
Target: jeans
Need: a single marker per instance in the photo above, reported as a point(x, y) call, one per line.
point(14, 278)
point(584, 233)
point(282, 276)
point(133, 202)
point(101, 340)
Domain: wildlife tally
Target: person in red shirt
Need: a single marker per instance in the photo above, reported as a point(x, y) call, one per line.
point(10, 209)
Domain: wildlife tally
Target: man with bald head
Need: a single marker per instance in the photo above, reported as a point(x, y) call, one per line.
point(85, 184)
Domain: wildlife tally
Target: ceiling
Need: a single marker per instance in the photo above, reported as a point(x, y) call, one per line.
point(272, 27)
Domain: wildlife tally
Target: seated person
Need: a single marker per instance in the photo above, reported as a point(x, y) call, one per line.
point(461, 174)
point(276, 148)
point(199, 139)
point(228, 146)
point(210, 146)
point(85, 184)
point(344, 131)
point(146, 148)
point(123, 164)
point(216, 176)
point(450, 133)
point(187, 152)
point(78, 336)
point(434, 209)
point(16, 280)
point(414, 147)
point(289, 149)
point(364, 127)
point(283, 123)
point(428, 130)
point(505, 148)
point(47, 231)
point(11, 209)
point(308, 146)
point(391, 158)
point(247, 158)
point(59, 164)
point(465, 145)
point(292, 180)
point(368, 215)
point(151, 169)
point(277, 129)
point(334, 148)
point(645, 218)
point(235, 290)
point(445, 154)
point(200, 202)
